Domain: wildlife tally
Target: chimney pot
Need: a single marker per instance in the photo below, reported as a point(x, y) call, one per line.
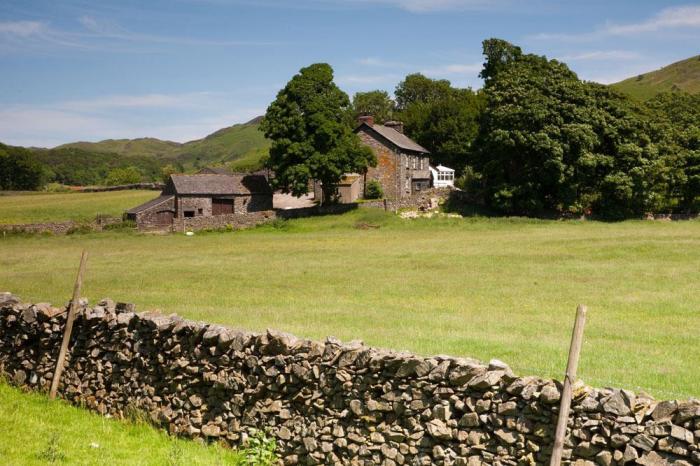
point(369, 119)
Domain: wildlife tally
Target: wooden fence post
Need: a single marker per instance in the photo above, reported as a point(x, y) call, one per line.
point(69, 327)
point(569, 378)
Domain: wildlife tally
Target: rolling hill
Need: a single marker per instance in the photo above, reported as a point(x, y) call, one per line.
point(240, 146)
point(680, 76)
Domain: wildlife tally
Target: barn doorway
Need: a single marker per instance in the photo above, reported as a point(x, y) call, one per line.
point(221, 206)
point(164, 217)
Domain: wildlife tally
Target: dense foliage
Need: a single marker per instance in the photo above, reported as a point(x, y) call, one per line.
point(311, 137)
point(375, 103)
point(19, 170)
point(549, 142)
point(80, 167)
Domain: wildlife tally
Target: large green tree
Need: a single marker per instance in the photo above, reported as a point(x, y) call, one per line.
point(551, 142)
point(376, 103)
point(311, 138)
point(442, 118)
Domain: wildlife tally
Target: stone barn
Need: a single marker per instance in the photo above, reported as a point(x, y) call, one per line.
point(402, 164)
point(203, 195)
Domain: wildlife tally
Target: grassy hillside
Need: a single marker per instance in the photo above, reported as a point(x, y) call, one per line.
point(680, 76)
point(244, 141)
point(243, 145)
point(503, 288)
point(129, 147)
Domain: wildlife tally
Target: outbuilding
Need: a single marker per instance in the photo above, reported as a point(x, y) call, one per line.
point(203, 195)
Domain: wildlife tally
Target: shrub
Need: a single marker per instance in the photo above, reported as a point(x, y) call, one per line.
point(52, 453)
point(261, 450)
point(374, 190)
point(56, 188)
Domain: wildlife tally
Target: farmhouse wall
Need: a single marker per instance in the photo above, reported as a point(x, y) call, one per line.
point(59, 228)
point(388, 165)
point(332, 403)
point(423, 200)
point(236, 221)
point(193, 203)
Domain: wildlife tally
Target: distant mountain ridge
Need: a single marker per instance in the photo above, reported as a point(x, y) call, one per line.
point(683, 76)
point(241, 146)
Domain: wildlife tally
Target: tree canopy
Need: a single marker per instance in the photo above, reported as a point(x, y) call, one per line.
point(311, 138)
point(376, 103)
point(19, 170)
point(551, 142)
point(442, 118)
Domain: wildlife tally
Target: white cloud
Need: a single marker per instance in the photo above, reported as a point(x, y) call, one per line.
point(98, 34)
point(49, 125)
point(602, 55)
point(454, 69)
point(683, 17)
point(21, 28)
point(380, 62)
point(419, 6)
point(669, 18)
point(355, 79)
point(423, 6)
point(192, 99)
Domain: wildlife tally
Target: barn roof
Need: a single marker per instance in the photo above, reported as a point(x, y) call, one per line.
point(213, 184)
point(400, 140)
point(149, 204)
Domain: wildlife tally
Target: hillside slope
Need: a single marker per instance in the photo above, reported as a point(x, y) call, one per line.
point(680, 76)
point(243, 146)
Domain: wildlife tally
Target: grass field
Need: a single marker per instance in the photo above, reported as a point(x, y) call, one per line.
point(36, 431)
point(58, 207)
point(485, 288)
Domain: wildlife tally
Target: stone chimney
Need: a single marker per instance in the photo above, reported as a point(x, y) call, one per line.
point(369, 119)
point(396, 125)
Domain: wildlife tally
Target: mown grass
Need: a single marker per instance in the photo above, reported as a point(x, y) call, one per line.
point(36, 431)
point(59, 207)
point(485, 288)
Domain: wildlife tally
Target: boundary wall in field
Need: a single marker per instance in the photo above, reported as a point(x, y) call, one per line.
point(329, 402)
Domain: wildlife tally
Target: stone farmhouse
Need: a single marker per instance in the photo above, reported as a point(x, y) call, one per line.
point(209, 193)
point(402, 164)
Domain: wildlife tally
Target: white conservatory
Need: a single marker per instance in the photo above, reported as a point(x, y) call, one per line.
point(443, 177)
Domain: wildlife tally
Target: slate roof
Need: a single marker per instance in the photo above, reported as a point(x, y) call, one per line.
point(220, 185)
point(149, 204)
point(400, 140)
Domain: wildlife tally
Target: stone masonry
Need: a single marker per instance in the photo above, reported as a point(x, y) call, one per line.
point(332, 403)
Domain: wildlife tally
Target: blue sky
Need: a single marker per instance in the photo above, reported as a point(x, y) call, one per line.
point(180, 69)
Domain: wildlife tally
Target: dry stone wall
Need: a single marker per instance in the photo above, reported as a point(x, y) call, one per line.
point(332, 403)
point(237, 221)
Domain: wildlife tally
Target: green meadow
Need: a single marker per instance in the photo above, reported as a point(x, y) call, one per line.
point(36, 431)
point(477, 287)
point(59, 207)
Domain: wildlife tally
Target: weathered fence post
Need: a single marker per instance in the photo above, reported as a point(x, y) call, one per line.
point(569, 378)
point(69, 326)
